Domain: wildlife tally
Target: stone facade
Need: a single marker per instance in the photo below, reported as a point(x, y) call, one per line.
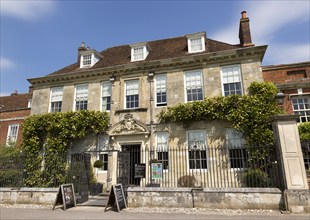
point(139, 125)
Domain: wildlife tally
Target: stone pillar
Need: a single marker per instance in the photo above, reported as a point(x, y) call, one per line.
point(112, 169)
point(289, 148)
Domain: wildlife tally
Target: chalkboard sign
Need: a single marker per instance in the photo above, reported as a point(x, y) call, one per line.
point(140, 170)
point(117, 198)
point(65, 196)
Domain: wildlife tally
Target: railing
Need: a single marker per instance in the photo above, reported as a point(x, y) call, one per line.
point(207, 167)
point(199, 166)
point(14, 171)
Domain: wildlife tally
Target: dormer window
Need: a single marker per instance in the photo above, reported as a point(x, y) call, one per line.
point(139, 52)
point(88, 58)
point(196, 42)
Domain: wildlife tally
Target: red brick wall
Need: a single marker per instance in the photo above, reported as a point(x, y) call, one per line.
point(4, 124)
point(287, 105)
point(289, 78)
point(287, 75)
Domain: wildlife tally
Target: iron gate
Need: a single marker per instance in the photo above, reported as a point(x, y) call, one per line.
point(79, 175)
point(127, 158)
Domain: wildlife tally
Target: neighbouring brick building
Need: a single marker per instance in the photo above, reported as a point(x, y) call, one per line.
point(294, 81)
point(135, 82)
point(13, 111)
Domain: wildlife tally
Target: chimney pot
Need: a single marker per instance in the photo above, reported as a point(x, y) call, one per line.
point(243, 15)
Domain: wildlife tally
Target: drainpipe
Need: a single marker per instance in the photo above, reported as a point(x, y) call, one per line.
point(151, 79)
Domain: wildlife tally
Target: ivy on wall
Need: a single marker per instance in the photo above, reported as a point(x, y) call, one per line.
point(47, 138)
point(304, 130)
point(249, 114)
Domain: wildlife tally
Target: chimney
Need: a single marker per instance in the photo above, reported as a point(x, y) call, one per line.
point(244, 31)
point(80, 49)
point(14, 93)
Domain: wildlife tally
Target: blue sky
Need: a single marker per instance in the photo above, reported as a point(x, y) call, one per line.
point(42, 36)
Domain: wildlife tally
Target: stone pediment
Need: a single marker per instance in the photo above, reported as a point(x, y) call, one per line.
point(129, 126)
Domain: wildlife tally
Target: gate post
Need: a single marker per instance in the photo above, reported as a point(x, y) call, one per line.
point(294, 179)
point(289, 148)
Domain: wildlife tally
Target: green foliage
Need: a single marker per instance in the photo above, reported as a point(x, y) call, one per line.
point(8, 151)
point(255, 178)
point(98, 163)
point(52, 134)
point(304, 131)
point(91, 178)
point(10, 167)
point(10, 178)
point(249, 114)
point(186, 181)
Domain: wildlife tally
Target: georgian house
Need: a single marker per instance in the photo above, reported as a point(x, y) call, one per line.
point(135, 82)
point(13, 111)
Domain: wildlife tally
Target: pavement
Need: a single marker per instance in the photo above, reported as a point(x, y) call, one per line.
point(98, 212)
point(94, 208)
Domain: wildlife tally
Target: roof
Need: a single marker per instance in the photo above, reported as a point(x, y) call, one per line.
point(159, 49)
point(14, 102)
point(286, 66)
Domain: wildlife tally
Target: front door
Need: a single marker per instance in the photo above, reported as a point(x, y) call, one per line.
point(127, 158)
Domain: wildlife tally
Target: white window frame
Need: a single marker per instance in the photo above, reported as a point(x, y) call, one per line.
point(203, 148)
point(195, 72)
point(92, 58)
point(9, 135)
point(164, 147)
point(54, 96)
point(125, 92)
point(106, 93)
point(102, 149)
point(140, 46)
point(231, 79)
point(232, 135)
point(161, 88)
point(85, 98)
point(194, 37)
point(86, 58)
point(302, 109)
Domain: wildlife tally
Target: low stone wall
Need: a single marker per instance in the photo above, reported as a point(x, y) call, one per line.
point(238, 198)
point(44, 196)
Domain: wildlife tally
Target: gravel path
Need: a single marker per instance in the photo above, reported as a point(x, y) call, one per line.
point(189, 211)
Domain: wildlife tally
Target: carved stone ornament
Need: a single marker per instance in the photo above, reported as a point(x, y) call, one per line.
point(129, 126)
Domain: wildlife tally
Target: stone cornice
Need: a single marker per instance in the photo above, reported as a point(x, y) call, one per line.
point(193, 60)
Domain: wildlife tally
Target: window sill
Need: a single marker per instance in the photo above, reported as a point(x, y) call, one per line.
point(130, 110)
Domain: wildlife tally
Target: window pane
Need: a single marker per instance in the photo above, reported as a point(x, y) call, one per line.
point(161, 95)
point(81, 97)
point(231, 79)
point(12, 134)
point(104, 158)
point(87, 60)
point(193, 82)
point(235, 144)
point(301, 106)
point(132, 94)
point(106, 96)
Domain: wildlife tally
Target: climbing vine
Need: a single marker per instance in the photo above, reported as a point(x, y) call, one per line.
point(249, 114)
point(304, 130)
point(47, 138)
